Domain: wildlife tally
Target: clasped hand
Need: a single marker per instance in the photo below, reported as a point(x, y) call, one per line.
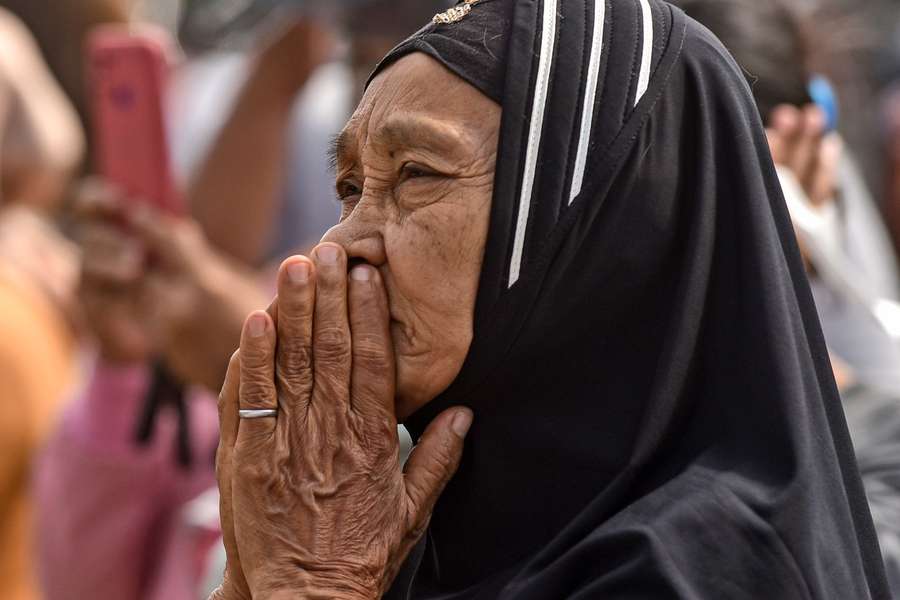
point(314, 501)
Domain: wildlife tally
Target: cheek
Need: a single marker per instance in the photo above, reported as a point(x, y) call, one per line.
point(435, 256)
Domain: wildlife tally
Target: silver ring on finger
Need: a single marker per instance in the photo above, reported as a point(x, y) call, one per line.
point(266, 413)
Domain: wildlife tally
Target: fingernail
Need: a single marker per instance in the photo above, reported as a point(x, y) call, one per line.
point(361, 273)
point(785, 118)
point(327, 254)
point(462, 421)
point(257, 325)
point(298, 272)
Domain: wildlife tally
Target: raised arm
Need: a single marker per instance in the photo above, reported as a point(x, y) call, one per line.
point(236, 188)
point(41, 139)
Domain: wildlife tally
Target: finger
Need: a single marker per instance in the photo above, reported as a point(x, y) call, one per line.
point(229, 402)
point(805, 154)
point(228, 430)
point(785, 121)
point(331, 330)
point(273, 310)
point(294, 323)
point(823, 184)
point(434, 461)
point(372, 379)
point(257, 389)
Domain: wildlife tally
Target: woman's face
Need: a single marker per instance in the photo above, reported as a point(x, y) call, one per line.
point(415, 174)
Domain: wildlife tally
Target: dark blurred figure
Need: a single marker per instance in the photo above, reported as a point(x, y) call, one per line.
point(41, 144)
point(849, 256)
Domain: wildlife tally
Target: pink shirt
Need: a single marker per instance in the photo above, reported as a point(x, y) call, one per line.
point(112, 522)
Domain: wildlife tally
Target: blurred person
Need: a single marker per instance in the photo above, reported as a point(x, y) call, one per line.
point(817, 170)
point(39, 370)
point(767, 40)
point(40, 146)
point(115, 515)
point(565, 224)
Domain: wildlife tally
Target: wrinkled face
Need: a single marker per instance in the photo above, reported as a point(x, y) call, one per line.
point(415, 174)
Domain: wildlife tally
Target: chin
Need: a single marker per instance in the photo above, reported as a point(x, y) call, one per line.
point(422, 379)
point(415, 386)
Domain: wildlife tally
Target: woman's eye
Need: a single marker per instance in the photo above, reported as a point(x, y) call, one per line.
point(347, 191)
point(412, 171)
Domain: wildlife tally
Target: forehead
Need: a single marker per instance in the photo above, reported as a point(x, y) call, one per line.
point(418, 98)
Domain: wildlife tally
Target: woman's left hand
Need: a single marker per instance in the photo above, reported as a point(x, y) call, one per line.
point(319, 504)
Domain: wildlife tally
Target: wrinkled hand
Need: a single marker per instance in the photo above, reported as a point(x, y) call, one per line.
point(151, 285)
point(798, 141)
point(319, 506)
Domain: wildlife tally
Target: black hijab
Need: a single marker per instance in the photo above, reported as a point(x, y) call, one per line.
point(655, 411)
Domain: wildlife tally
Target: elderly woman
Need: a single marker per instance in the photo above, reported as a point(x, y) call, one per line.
point(562, 228)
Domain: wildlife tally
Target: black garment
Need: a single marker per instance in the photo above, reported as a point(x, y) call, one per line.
point(655, 411)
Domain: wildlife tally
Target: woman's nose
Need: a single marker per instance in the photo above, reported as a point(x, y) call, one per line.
point(362, 239)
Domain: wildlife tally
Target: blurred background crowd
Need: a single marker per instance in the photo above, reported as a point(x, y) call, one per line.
point(117, 318)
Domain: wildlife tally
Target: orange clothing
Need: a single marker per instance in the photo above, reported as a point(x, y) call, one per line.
point(37, 368)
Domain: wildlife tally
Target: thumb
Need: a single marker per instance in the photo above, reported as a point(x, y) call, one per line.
point(434, 461)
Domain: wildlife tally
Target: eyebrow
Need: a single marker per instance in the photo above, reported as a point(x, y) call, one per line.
point(421, 131)
point(416, 131)
point(337, 148)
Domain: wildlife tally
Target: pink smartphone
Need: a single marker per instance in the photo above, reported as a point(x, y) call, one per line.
point(128, 73)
